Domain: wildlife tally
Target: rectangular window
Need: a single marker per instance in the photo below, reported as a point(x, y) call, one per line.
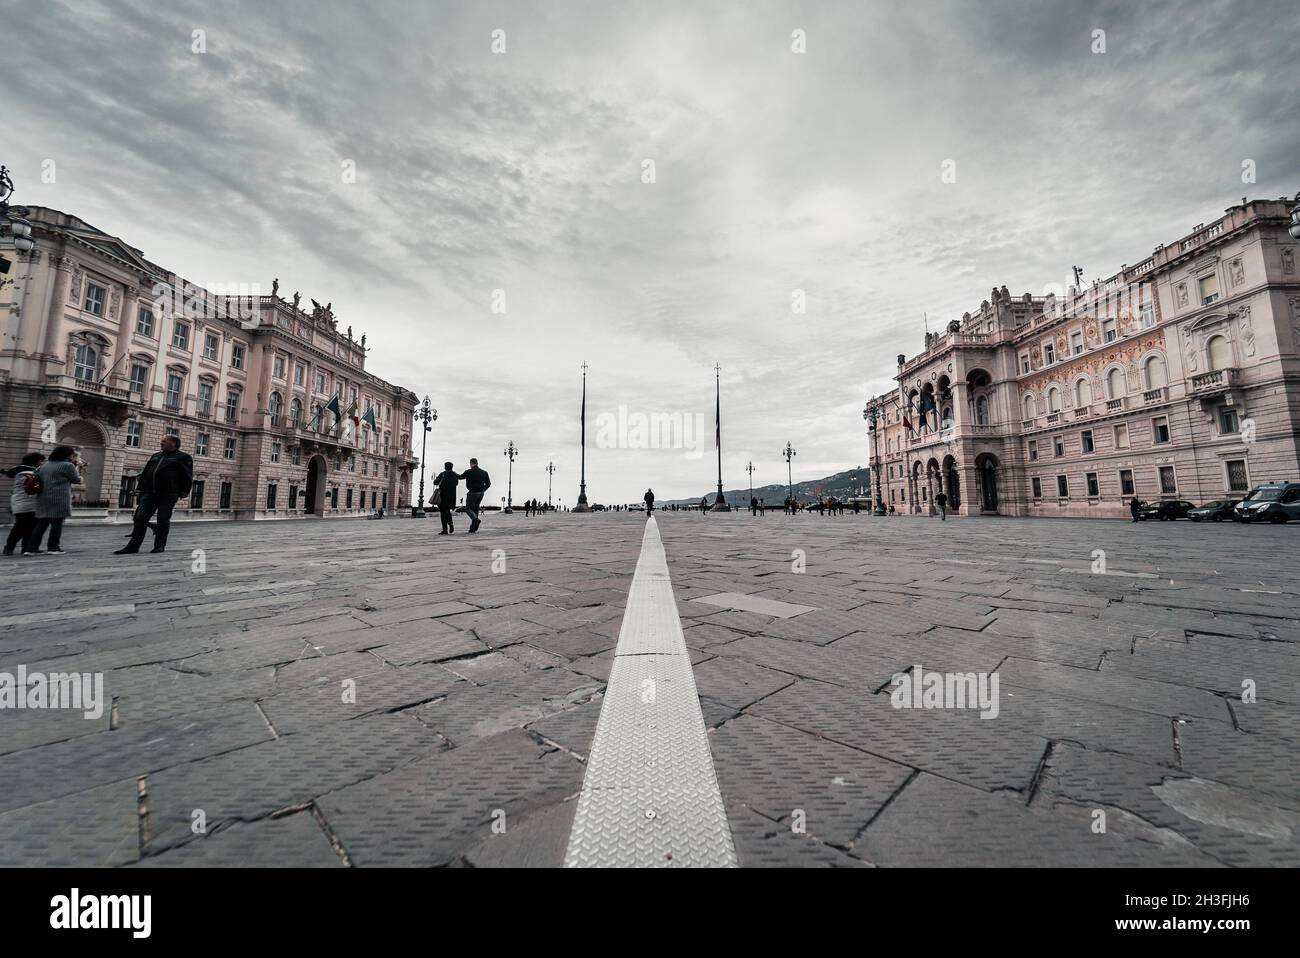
point(134, 430)
point(196, 494)
point(279, 367)
point(295, 455)
point(1094, 488)
point(174, 386)
point(1024, 362)
point(210, 345)
point(1086, 439)
point(144, 321)
point(1237, 481)
point(230, 448)
point(205, 399)
point(299, 374)
point(236, 356)
point(1058, 446)
point(181, 335)
point(1126, 481)
point(126, 493)
point(293, 497)
point(1049, 353)
point(201, 444)
point(225, 495)
point(270, 495)
point(94, 299)
point(363, 498)
point(1038, 487)
point(1121, 436)
point(232, 405)
point(275, 452)
point(1148, 315)
point(352, 464)
point(1228, 423)
point(320, 382)
point(349, 505)
point(1108, 331)
point(1160, 430)
point(1076, 343)
point(334, 497)
point(384, 503)
point(1209, 286)
point(1167, 483)
point(139, 375)
point(1033, 450)
point(1063, 487)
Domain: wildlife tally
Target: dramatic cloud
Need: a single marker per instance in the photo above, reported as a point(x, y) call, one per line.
point(522, 171)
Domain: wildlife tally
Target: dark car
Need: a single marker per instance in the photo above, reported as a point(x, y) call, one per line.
point(1215, 511)
point(1270, 502)
point(1166, 509)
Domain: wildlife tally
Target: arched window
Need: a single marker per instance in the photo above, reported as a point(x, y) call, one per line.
point(945, 417)
point(85, 364)
point(1115, 383)
point(1154, 372)
point(1083, 393)
point(1029, 408)
point(275, 409)
point(1220, 354)
point(295, 413)
point(1053, 400)
point(982, 410)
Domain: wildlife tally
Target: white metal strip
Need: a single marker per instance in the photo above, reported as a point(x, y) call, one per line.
point(650, 796)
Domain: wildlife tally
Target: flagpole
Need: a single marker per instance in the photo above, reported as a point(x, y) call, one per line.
point(582, 482)
point(719, 504)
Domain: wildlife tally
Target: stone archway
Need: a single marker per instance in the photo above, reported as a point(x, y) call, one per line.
point(89, 442)
point(952, 483)
point(315, 496)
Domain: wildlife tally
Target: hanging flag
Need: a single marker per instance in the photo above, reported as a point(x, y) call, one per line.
point(369, 417)
point(314, 425)
point(333, 406)
point(350, 424)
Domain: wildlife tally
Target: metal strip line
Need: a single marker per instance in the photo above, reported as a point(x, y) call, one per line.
point(650, 795)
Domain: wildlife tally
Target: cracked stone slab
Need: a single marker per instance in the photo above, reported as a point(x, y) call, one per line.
point(735, 601)
point(295, 840)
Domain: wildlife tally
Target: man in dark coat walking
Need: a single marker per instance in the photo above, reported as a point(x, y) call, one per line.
point(446, 482)
point(166, 477)
point(477, 482)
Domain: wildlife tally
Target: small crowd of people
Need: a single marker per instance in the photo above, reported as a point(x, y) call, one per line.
point(41, 498)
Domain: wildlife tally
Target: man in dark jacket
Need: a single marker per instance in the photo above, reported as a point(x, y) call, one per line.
point(445, 482)
point(649, 499)
point(166, 477)
point(477, 482)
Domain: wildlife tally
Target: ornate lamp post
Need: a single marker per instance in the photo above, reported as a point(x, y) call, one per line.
point(719, 503)
point(789, 454)
point(510, 452)
point(872, 413)
point(15, 230)
point(426, 414)
point(749, 468)
point(582, 481)
point(550, 474)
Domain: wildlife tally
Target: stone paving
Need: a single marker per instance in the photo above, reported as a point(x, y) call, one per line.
point(345, 692)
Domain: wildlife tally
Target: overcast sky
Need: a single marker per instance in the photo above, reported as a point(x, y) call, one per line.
point(523, 171)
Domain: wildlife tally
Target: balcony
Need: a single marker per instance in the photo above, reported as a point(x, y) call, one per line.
point(1214, 383)
point(1053, 418)
point(1081, 411)
point(89, 387)
point(1155, 395)
point(89, 399)
point(1116, 405)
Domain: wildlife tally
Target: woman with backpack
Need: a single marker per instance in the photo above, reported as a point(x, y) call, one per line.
point(54, 502)
point(22, 499)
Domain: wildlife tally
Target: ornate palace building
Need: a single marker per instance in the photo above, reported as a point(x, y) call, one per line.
point(1176, 378)
point(106, 351)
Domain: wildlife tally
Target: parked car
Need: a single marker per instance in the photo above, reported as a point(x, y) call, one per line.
point(1215, 511)
point(1166, 509)
point(1270, 502)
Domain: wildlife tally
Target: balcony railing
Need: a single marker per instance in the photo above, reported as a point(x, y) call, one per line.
point(91, 387)
point(1081, 411)
point(1158, 394)
point(1053, 418)
point(1214, 382)
point(1116, 405)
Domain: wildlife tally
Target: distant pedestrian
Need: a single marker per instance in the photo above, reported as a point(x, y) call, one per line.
point(168, 475)
point(1134, 508)
point(941, 500)
point(753, 505)
point(54, 502)
point(649, 499)
point(444, 497)
point(22, 499)
point(857, 506)
point(704, 505)
point(762, 507)
point(477, 482)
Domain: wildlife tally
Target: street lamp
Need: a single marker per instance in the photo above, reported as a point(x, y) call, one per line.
point(510, 452)
point(749, 468)
point(15, 230)
point(1294, 228)
point(426, 415)
point(789, 454)
point(550, 475)
point(871, 412)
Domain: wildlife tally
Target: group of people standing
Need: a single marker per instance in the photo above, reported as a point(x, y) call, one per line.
point(41, 497)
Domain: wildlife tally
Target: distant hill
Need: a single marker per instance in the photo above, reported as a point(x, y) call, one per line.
point(842, 485)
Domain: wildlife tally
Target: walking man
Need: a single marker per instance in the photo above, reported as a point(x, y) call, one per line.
point(753, 505)
point(1134, 508)
point(941, 500)
point(445, 482)
point(166, 477)
point(704, 505)
point(477, 482)
point(649, 498)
